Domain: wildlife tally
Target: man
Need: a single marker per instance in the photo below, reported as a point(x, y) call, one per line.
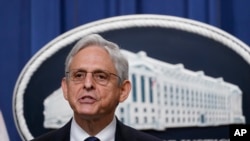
point(95, 82)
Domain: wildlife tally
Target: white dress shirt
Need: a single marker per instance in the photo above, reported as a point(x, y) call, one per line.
point(107, 134)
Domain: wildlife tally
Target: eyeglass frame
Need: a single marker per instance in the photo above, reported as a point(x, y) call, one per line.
point(69, 75)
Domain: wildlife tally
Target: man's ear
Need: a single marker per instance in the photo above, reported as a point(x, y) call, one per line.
point(125, 90)
point(64, 88)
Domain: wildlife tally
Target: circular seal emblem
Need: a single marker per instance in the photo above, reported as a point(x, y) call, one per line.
point(38, 106)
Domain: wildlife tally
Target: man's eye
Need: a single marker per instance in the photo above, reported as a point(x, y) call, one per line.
point(101, 76)
point(78, 75)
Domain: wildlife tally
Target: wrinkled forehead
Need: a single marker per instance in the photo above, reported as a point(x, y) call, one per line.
point(92, 57)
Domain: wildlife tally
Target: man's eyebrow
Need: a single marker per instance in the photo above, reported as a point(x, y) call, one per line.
point(95, 70)
point(78, 70)
point(99, 70)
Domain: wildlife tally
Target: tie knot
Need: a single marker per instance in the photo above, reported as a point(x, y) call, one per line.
point(92, 139)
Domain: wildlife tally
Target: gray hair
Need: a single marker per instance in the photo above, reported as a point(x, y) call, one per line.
point(120, 62)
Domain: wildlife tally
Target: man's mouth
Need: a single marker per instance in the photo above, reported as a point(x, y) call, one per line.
point(87, 100)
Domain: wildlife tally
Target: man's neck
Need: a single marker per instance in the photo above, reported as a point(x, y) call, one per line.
point(93, 125)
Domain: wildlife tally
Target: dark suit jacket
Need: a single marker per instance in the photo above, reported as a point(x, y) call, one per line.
point(123, 133)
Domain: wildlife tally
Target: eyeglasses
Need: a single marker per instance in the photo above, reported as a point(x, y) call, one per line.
point(101, 77)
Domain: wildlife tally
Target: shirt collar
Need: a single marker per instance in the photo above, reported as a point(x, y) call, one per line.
point(107, 134)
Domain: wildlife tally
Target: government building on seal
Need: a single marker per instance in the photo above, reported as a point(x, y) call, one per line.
point(164, 96)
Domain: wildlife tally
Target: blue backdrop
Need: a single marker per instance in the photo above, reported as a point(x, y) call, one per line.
point(27, 25)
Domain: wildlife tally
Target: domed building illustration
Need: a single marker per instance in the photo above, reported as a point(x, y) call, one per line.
point(164, 96)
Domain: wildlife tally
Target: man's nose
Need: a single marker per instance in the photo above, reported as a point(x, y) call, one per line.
point(88, 81)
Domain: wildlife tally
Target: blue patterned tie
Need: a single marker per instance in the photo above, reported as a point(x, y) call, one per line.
point(92, 139)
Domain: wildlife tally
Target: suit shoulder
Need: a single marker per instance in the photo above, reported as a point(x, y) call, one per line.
point(140, 135)
point(137, 135)
point(60, 134)
point(46, 137)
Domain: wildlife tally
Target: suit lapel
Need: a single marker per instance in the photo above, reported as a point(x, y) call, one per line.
point(64, 133)
point(122, 132)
